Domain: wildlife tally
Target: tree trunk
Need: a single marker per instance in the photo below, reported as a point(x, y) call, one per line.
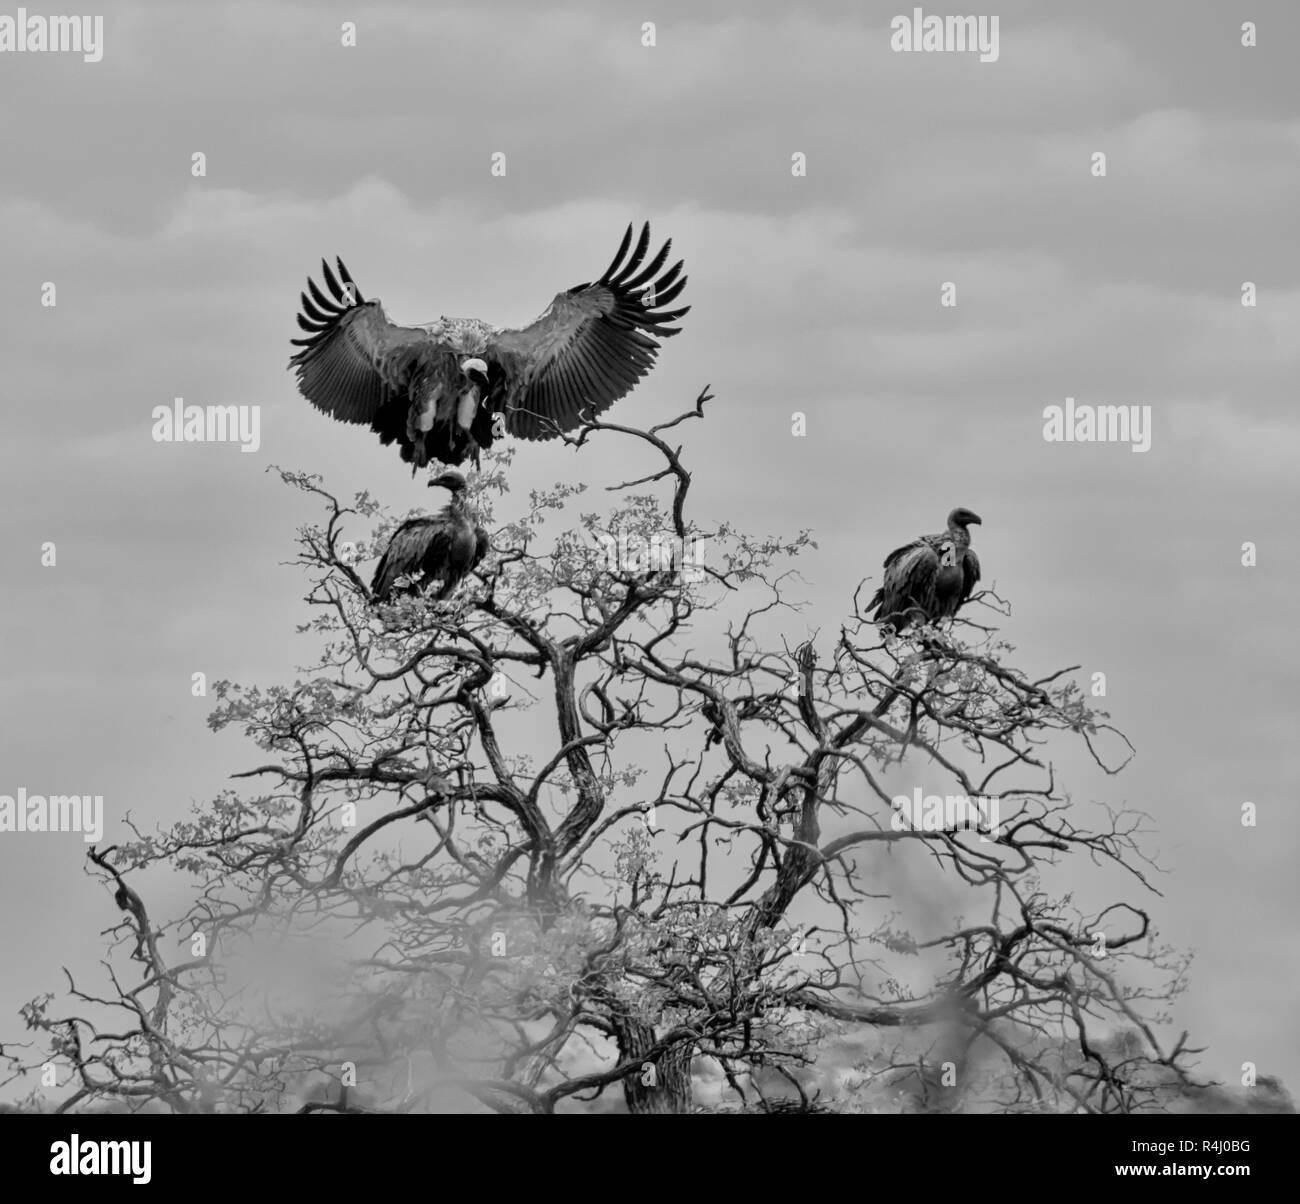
point(662, 1085)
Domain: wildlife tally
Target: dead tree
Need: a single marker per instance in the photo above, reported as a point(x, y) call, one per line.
point(606, 825)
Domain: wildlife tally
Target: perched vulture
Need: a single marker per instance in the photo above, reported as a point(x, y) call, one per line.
point(437, 390)
point(930, 578)
point(441, 547)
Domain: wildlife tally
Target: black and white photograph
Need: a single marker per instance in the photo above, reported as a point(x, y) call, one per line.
point(650, 558)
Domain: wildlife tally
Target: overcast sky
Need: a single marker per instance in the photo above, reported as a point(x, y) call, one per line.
point(818, 294)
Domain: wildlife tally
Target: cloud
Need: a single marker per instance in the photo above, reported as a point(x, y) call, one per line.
point(819, 295)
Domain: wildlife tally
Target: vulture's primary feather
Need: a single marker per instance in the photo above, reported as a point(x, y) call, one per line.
point(441, 547)
point(445, 390)
point(930, 578)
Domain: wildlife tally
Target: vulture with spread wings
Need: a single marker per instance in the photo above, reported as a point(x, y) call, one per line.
point(930, 578)
point(445, 390)
point(441, 547)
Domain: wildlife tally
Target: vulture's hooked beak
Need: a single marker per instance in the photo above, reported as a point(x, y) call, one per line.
point(451, 481)
point(975, 518)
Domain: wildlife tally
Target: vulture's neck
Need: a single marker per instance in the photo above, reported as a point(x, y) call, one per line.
point(960, 535)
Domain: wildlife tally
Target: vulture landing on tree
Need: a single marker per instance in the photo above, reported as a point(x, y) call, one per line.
point(929, 579)
point(445, 390)
point(441, 547)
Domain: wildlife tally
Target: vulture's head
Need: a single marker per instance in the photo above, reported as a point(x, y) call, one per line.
point(961, 517)
point(475, 371)
point(451, 480)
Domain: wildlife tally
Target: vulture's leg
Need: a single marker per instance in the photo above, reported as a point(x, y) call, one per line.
point(466, 409)
point(419, 422)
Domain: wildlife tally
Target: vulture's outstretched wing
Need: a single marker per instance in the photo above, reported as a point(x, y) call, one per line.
point(355, 364)
point(592, 344)
point(419, 545)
